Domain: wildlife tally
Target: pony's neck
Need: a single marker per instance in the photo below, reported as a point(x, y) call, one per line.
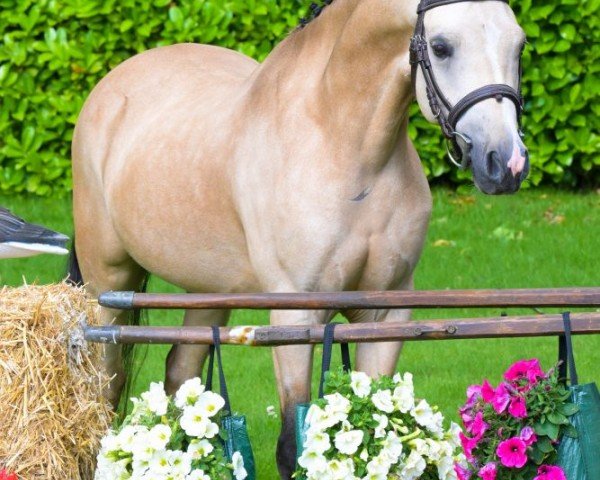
point(352, 65)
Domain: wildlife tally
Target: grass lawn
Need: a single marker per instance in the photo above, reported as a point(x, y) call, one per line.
point(538, 238)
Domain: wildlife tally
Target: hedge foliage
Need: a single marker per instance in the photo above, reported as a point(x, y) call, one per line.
point(52, 52)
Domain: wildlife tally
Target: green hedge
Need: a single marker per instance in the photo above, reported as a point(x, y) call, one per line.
point(52, 52)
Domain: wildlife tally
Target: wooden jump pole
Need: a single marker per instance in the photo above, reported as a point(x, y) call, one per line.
point(516, 326)
point(563, 297)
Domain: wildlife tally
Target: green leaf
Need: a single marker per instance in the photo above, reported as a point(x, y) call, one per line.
point(547, 428)
point(568, 409)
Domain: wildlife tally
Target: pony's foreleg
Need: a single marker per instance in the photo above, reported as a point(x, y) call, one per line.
point(293, 368)
point(186, 361)
point(381, 358)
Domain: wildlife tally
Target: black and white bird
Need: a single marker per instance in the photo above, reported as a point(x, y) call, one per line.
point(21, 239)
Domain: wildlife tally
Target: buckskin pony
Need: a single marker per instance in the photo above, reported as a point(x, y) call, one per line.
point(220, 174)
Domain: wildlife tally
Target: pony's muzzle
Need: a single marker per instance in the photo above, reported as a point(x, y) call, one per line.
point(502, 170)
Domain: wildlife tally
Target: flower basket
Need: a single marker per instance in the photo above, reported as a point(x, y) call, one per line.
point(513, 429)
point(170, 438)
point(370, 429)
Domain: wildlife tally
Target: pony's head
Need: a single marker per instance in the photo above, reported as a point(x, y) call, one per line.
point(466, 58)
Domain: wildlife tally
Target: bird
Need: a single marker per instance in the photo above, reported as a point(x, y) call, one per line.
point(21, 239)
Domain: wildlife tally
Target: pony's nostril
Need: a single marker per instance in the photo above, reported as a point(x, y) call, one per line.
point(492, 165)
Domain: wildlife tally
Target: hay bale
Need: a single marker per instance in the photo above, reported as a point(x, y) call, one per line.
point(52, 413)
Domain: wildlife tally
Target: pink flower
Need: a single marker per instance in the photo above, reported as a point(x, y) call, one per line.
point(468, 445)
point(487, 392)
point(512, 452)
point(529, 370)
point(478, 427)
point(550, 472)
point(488, 472)
point(517, 407)
point(501, 398)
point(467, 420)
point(461, 472)
point(528, 436)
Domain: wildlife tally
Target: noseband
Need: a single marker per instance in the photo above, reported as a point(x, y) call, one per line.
point(446, 114)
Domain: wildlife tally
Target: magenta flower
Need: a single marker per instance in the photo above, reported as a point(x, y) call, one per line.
point(461, 472)
point(529, 370)
point(488, 471)
point(512, 452)
point(478, 426)
point(487, 392)
point(501, 398)
point(468, 445)
point(517, 407)
point(550, 472)
point(528, 436)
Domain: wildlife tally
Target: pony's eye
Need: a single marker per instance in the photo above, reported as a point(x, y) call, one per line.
point(441, 49)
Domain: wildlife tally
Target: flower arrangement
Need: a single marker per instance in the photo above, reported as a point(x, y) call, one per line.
point(376, 430)
point(167, 438)
point(513, 430)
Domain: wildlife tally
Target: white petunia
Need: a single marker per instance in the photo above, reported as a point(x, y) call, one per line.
point(199, 448)
point(189, 392)
point(382, 399)
point(142, 449)
point(317, 441)
point(348, 442)
point(158, 437)
point(211, 403)
point(374, 476)
point(360, 383)
point(110, 443)
point(436, 425)
point(379, 465)
point(422, 413)
point(195, 421)
point(239, 472)
point(312, 461)
point(156, 398)
point(452, 435)
point(212, 429)
point(128, 437)
point(392, 446)
point(159, 463)
point(414, 466)
point(403, 398)
point(319, 420)
point(197, 475)
point(337, 403)
point(181, 463)
point(340, 470)
point(382, 423)
point(445, 468)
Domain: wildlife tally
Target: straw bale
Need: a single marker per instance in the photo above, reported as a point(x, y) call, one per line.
point(52, 412)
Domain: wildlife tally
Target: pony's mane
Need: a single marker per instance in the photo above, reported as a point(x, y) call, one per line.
point(315, 11)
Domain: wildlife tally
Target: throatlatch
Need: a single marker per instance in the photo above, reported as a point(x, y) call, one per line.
point(446, 114)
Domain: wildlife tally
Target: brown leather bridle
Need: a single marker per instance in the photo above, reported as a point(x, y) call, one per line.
point(448, 115)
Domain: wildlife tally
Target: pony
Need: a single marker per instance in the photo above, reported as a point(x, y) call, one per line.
point(220, 174)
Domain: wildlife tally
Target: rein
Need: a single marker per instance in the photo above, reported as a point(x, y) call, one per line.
point(447, 114)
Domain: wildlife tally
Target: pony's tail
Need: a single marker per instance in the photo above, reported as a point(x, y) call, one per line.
point(73, 272)
point(132, 357)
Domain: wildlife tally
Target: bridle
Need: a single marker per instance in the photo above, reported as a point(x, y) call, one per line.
point(446, 114)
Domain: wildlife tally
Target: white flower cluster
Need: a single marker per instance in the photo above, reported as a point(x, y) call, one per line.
point(376, 431)
point(158, 443)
